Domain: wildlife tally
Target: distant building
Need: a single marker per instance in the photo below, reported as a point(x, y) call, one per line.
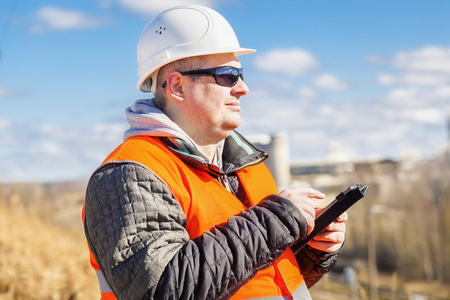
point(340, 168)
point(334, 172)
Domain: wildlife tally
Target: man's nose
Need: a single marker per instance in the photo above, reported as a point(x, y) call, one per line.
point(240, 88)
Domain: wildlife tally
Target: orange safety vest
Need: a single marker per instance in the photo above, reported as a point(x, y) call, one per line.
point(206, 203)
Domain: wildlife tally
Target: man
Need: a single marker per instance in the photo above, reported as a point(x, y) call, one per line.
point(185, 208)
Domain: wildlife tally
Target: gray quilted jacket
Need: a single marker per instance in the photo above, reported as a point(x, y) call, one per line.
point(136, 231)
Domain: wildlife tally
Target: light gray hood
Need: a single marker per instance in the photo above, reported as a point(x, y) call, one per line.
point(147, 120)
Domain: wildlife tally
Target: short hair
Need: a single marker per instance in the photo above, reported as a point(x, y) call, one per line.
point(181, 65)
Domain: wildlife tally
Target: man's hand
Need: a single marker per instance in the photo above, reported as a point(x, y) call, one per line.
point(302, 198)
point(332, 237)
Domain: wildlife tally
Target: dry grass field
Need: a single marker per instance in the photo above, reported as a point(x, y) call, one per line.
point(39, 260)
point(42, 260)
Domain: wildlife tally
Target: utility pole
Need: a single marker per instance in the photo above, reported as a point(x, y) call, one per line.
point(372, 250)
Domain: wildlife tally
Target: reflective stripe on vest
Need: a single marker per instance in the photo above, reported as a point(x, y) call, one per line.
point(206, 203)
point(104, 286)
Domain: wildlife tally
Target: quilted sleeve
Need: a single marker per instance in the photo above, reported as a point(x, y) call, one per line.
point(134, 227)
point(138, 232)
point(220, 261)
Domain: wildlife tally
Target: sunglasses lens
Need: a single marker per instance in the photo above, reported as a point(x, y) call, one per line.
point(228, 76)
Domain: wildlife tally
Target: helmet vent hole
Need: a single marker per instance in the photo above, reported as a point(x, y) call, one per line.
point(161, 29)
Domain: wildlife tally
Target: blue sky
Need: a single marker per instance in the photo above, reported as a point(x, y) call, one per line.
point(371, 76)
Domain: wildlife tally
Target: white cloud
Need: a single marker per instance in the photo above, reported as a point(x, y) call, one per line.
point(330, 82)
point(403, 95)
point(4, 124)
point(156, 7)
point(419, 95)
point(442, 92)
point(414, 78)
point(54, 18)
point(45, 147)
point(407, 118)
point(428, 59)
point(291, 62)
point(411, 115)
point(375, 59)
point(387, 79)
point(4, 92)
point(424, 115)
point(306, 92)
point(424, 79)
point(51, 152)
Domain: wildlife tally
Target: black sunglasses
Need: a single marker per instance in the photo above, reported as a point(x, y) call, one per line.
point(224, 76)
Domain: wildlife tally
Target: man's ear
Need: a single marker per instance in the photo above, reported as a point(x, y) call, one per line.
point(174, 86)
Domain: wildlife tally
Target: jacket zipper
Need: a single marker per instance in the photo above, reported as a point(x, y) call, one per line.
point(222, 178)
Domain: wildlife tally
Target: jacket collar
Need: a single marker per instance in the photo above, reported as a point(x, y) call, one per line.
point(237, 154)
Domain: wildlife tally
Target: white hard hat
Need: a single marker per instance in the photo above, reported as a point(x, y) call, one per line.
point(180, 32)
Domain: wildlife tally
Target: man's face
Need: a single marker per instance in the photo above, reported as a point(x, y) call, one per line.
point(214, 110)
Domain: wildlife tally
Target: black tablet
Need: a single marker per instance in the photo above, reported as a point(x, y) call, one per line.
point(332, 211)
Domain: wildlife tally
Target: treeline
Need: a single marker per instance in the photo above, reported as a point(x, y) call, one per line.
point(403, 224)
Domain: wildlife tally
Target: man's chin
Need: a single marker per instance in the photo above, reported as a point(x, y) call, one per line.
point(233, 125)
